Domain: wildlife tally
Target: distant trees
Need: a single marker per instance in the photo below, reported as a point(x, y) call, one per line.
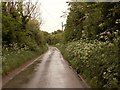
point(54, 37)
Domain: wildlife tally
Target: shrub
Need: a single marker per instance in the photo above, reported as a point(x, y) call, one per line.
point(97, 62)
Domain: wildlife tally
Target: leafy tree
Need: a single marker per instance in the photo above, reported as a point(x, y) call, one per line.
point(73, 29)
point(92, 20)
point(19, 25)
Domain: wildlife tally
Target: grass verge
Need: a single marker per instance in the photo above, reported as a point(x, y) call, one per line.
point(12, 59)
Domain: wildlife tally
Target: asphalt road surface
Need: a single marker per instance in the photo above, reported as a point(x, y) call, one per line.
point(49, 71)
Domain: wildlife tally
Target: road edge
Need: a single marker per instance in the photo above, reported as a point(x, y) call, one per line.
point(78, 75)
point(21, 68)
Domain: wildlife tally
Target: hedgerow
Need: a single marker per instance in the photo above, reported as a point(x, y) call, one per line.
point(97, 62)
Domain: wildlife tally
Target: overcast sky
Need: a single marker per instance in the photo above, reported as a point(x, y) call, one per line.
point(51, 10)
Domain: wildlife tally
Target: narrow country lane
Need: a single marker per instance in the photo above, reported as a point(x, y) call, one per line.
point(49, 71)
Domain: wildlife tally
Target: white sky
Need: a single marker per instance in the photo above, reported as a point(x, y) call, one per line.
point(51, 10)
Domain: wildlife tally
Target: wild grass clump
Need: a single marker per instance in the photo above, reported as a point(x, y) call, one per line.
point(96, 61)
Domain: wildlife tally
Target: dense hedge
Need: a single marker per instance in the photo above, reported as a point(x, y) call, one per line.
point(97, 62)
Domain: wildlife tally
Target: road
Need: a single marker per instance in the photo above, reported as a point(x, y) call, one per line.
point(49, 71)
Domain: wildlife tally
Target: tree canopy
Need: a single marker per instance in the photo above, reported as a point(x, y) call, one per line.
point(91, 20)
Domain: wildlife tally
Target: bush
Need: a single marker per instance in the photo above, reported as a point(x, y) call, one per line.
point(97, 62)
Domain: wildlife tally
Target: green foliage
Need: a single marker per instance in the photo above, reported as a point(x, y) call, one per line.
point(54, 37)
point(13, 23)
point(57, 36)
point(21, 35)
point(15, 56)
point(92, 42)
point(96, 61)
point(89, 20)
point(73, 29)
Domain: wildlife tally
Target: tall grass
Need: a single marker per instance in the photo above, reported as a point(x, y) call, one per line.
point(15, 56)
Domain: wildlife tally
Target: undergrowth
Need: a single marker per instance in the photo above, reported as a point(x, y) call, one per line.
point(13, 57)
point(97, 62)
